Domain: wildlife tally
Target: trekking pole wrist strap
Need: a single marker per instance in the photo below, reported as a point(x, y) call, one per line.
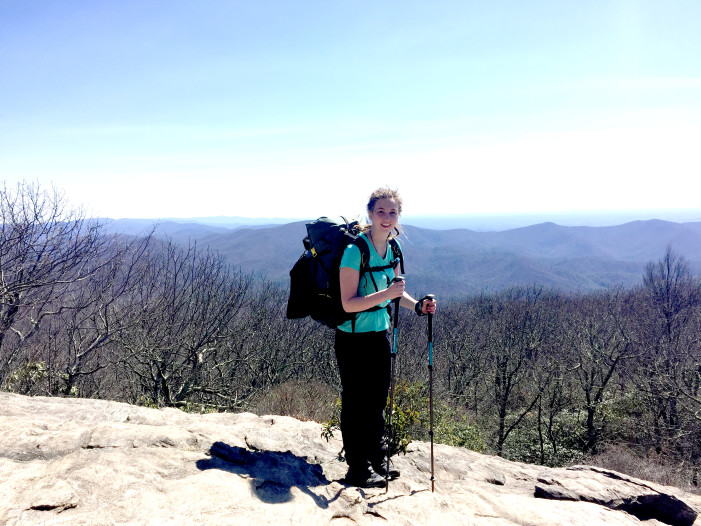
point(418, 307)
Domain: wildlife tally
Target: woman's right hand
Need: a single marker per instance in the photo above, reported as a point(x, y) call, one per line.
point(396, 288)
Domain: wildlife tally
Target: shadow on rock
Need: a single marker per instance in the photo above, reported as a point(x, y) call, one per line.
point(273, 473)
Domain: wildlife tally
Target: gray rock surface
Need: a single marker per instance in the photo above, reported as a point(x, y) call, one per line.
point(95, 462)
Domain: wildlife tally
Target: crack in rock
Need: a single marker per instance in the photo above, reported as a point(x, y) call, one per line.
point(51, 507)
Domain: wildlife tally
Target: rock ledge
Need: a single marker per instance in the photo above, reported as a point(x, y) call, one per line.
point(94, 462)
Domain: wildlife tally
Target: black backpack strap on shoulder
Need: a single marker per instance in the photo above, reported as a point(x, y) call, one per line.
point(397, 253)
point(397, 259)
point(362, 245)
point(364, 260)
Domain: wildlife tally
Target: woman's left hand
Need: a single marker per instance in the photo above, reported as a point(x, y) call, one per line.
point(429, 306)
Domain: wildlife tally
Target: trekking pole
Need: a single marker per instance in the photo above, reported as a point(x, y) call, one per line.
point(391, 382)
point(430, 297)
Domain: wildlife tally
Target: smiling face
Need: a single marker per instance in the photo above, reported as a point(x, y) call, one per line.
point(384, 216)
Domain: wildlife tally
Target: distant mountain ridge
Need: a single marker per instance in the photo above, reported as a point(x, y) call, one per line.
point(461, 261)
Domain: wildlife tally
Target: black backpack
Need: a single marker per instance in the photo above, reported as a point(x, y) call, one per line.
point(314, 282)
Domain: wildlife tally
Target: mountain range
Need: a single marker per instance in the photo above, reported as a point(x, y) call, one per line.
point(460, 262)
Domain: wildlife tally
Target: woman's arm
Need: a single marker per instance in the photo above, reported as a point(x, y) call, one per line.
point(349, 279)
point(407, 301)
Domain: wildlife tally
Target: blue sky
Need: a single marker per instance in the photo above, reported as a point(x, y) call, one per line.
point(299, 109)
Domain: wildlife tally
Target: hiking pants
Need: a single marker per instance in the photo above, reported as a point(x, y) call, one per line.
point(364, 360)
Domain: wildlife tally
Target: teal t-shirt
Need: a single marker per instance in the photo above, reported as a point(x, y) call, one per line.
point(377, 320)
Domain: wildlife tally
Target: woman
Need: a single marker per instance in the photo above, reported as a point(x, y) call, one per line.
point(363, 350)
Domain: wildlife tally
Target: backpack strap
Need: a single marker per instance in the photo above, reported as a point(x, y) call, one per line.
point(397, 253)
point(398, 259)
point(364, 260)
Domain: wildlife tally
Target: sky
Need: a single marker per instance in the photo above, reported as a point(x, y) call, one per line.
point(273, 108)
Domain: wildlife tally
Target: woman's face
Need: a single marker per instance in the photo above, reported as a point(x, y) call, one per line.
point(384, 216)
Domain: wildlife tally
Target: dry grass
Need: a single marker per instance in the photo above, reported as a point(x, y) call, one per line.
point(302, 400)
point(651, 467)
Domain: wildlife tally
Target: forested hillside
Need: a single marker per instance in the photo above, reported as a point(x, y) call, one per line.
point(455, 263)
point(528, 372)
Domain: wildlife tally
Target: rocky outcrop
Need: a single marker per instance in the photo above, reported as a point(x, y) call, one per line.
point(616, 491)
point(88, 462)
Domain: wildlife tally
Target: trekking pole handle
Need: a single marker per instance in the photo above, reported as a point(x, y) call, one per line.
point(396, 302)
point(430, 297)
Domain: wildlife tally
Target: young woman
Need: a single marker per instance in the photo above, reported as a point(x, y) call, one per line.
point(363, 349)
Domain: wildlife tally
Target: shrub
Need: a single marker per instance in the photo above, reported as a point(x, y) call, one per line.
point(405, 415)
point(24, 379)
point(527, 443)
point(451, 427)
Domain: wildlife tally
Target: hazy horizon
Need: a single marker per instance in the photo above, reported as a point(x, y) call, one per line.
point(478, 222)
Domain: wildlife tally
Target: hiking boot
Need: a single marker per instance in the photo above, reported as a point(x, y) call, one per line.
point(364, 478)
point(379, 468)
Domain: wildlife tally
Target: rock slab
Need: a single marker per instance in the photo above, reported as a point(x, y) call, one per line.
point(95, 462)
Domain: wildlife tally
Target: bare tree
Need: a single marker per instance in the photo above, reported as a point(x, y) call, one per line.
point(599, 338)
point(47, 249)
point(458, 356)
point(515, 342)
point(669, 340)
point(95, 314)
point(181, 313)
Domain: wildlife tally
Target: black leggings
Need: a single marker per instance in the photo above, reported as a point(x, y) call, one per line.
point(364, 360)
